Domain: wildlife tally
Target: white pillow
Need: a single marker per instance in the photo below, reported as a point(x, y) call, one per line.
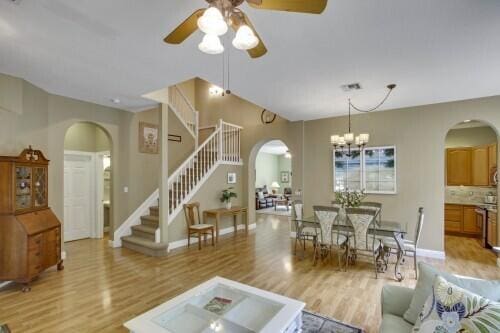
point(260, 194)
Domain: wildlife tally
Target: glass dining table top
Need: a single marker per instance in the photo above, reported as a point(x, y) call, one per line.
point(383, 227)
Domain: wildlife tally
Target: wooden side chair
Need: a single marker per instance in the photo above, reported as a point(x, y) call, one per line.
point(193, 221)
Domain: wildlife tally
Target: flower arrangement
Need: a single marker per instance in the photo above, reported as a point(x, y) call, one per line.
point(226, 196)
point(350, 198)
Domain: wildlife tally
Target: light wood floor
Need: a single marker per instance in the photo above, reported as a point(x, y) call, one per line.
point(101, 288)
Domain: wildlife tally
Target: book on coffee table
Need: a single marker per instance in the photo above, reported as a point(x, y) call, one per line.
point(218, 305)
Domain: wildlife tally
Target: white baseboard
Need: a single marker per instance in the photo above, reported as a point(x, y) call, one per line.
point(63, 255)
point(115, 243)
point(431, 254)
point(3, 284)
point(184, 242)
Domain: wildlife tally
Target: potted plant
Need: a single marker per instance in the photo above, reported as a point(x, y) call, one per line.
point(350, 198)
point(226, 196)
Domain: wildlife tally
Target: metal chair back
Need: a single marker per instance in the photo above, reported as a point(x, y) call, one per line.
point(328, 218)
point(361, 220)
point(420, 223)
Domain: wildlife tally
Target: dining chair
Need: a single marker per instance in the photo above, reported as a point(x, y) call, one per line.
point(376, 205)
point(329, 235)
point(361, 241)
point(194, 225)
point(303, 232)
point(410, 246)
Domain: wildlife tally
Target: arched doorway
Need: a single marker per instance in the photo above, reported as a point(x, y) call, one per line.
point(270, 178)
point(471, 186)
point(87, 181)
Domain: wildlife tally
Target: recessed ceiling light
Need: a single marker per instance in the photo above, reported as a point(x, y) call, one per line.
point(467, 121)
point(115, 100)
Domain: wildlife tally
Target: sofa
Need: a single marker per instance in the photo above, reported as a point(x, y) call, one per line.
point(263, 199)
point(401, 306)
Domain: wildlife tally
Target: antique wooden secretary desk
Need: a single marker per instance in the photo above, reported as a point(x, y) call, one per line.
point(30, 233)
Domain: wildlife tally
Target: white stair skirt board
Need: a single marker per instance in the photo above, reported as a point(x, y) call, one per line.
point(134, 219)
point(420, 252)
point(194, 240)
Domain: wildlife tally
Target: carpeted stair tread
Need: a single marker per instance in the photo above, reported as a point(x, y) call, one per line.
point(150, 244)
point(145, 228)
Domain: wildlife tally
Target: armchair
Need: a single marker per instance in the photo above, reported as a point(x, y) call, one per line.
point(262, 198)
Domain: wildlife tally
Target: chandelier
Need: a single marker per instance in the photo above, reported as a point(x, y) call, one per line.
point(344, 143)
point(213, 24)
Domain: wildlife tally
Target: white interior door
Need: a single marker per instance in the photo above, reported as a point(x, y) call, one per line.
point(78, 208)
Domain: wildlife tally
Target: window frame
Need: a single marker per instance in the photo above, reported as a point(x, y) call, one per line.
point(361, 182)
point(363, 169)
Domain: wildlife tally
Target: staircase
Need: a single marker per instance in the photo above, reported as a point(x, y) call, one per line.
point(141, 231)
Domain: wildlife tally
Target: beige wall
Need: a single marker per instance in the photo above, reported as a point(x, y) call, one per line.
point(470, 137)
point(419, 135)
point(42, 120)
point(208, 196)
point(86, 137)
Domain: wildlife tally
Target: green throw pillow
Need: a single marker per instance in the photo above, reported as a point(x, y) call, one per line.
point(426, 276)
point(451, 309)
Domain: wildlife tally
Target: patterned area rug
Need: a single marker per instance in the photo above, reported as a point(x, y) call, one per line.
point(281, 210)
point(315, 323)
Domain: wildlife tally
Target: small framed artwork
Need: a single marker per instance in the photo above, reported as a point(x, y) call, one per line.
point(148, 138)
point(285, 176)
point(231, 177)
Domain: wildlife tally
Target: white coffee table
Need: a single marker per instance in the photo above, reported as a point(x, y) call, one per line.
point(234, 308)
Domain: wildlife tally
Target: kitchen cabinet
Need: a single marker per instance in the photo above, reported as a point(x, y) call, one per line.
point(492, 161)
point(469, 221)
point(480, 171)
point(461, 220)
point(458, 166)
point(471, 166)
point(453, 215)
point(492, 232)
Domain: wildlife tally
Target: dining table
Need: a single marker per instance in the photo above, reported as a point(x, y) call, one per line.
point(381, 229)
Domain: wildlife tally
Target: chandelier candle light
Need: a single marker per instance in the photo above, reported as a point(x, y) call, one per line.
point(349, 139)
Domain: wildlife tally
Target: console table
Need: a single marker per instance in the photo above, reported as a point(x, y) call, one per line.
point(218, 212)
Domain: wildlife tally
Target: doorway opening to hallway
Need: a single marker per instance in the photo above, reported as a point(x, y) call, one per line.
point(87, 182)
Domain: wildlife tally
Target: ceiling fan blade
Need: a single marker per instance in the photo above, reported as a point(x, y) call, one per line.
point(241, 19)
point(300, 6)
point(185, 29)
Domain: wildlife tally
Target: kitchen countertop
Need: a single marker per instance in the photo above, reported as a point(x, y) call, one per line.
point(478, 204)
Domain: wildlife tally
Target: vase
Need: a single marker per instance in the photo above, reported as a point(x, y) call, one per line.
point(228, 205)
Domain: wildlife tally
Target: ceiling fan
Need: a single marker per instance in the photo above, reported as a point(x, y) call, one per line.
point(220, 14)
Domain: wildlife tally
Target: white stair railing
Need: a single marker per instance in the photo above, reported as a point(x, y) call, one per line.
point(222, 147)
point(184, 110)
point(231, 142)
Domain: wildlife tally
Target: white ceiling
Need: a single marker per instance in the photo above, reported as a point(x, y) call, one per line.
point(275, 147)
point(96, 50)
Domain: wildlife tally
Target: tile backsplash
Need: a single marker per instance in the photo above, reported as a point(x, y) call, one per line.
point(467, 194)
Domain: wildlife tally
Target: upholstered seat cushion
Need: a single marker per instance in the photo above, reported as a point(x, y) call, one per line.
point(201, 226)
point(394, 324)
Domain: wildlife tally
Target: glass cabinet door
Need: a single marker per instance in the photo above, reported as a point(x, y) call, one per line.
point(40, 186)
point(23, 187)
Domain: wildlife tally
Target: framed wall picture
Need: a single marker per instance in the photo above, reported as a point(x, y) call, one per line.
point(148, 138)
point(231, 177)
point(285, 176)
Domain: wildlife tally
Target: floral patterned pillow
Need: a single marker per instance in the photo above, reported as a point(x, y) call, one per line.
point(451, 309)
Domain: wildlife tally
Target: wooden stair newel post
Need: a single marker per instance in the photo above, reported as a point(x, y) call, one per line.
point(164, 193)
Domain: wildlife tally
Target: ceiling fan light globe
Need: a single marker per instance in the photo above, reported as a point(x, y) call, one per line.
point(211, 44)
point(212, 22)
point(245, 38)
